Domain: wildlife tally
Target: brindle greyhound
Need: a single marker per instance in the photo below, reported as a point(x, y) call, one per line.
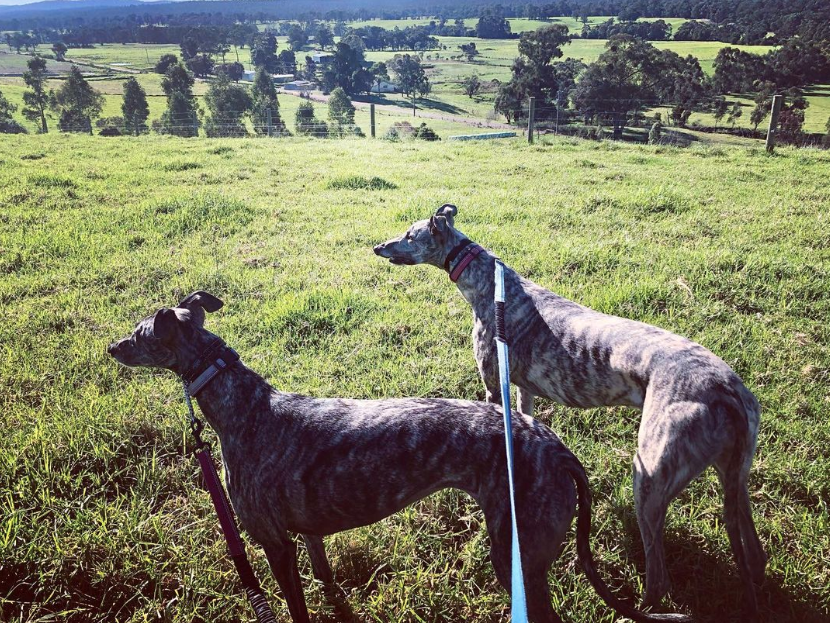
point(696, 410)
point(319, 466)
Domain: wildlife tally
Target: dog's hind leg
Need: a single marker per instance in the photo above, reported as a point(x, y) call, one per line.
point(524, 399)
point(668, 458)
point(733, 471)
point(319, 562)
point(282, 557)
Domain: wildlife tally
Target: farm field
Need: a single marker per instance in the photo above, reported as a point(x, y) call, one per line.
point(102, 515)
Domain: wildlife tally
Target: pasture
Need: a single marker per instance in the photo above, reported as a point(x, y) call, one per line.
point(102, 516)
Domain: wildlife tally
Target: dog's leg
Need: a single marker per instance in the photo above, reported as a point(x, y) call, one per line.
point(675, 444)
point(756, 557)
point(319, 562)
point(525, 401)
point(282, 556)
point(732, 521)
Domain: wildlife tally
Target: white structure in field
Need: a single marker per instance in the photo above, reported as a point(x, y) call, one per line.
point(249, 75)
point(299, 85)
point(384, 87)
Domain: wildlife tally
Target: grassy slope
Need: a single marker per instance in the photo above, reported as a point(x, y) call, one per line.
point(101, 513)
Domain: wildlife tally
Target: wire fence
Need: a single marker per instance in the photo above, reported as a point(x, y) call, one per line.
point(659, 123)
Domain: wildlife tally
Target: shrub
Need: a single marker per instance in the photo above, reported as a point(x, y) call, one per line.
point(426, 134)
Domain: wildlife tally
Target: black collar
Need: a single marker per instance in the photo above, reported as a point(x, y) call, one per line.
point(211, 362)
point(455, 251)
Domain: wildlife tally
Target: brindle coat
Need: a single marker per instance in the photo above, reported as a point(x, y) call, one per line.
point(318, 466)
point(696, 410)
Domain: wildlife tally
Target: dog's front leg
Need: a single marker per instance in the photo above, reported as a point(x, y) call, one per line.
point(487, 361)
point(282, 556)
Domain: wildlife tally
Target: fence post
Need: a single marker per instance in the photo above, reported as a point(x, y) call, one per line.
point(777, 100)
point(195, 124)
point(531, 114)
point(89, 125)
point(372, 119)
point(135, 124)
point(269, 121)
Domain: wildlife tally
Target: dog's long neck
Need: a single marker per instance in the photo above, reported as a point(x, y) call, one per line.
point(478, 281)
point(231, 400)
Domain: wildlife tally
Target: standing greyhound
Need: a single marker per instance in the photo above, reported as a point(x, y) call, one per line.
point(696, 410)
point(319, 466)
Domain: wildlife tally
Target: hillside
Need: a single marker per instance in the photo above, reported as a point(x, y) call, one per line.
point(102, 516)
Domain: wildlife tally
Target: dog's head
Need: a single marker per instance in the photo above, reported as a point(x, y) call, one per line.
point(425, 242)
point(169, 338)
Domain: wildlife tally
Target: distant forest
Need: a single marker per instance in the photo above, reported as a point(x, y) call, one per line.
point(730, 21)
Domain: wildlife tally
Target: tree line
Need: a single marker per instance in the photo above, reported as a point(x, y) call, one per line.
point(632, 75)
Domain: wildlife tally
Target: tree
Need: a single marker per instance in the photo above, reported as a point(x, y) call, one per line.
point(201, 65)
point(324, 36)
point(469, 50)
point(790, 125)
point(825, 140)
point(341, 113)
point(379, 73)
point(165, 62)
point(234, 71)
point(297, 37)
point(134, 108)
point(346, 71)
point(533, 75)
point(412, 79)
point(544, 44)
point(306, 123)
point(77, 102)
point(492, 24)
point(734, 114)
point(7, 124)
point(287, 62)
point(264, 52)
point(628, 75)
point(177, 80)
point(228, 103)
point(180, 118)
point(264, 100)
point(719, 109)
point(59, 49)
point(36, 101)
point(472, 85)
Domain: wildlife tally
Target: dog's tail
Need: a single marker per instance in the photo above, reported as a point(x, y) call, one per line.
point(586, 558)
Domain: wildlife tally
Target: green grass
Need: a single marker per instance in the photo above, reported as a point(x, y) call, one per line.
point(128, 55)
point(103, 518)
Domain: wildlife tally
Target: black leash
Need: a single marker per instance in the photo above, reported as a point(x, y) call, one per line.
point(236, 548)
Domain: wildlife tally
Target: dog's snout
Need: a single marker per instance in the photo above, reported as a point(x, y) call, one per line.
point(379, 248)
point(112, 348)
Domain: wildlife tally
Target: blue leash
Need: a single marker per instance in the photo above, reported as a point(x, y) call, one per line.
point(518, 608)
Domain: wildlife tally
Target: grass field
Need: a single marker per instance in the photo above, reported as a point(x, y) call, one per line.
point(102, 516)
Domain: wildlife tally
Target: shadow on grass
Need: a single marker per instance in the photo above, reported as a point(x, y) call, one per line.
point(420, 103)
point(709, 587)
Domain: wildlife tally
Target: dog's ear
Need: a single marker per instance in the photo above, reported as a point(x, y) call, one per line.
point(198, 303)
point(438, 225)
point(448, 211)
point(165, 324)
point(206, 301)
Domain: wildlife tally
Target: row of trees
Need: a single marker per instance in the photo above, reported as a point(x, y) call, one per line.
point(631, 75)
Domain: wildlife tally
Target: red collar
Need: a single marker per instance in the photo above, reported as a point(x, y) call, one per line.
point(467, 257)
